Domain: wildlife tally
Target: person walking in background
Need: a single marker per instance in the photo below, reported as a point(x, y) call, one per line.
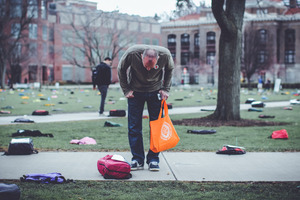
point(102, 78)
point(145, 74)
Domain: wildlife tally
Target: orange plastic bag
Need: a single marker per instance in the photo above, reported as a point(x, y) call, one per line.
point(163, 135)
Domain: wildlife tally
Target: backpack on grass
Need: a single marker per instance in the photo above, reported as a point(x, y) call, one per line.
point(20, 146)
point(202, 131)
point(117, 113)
point(231, 150)
point(40, 112)
point(279, 134)
point(45, 178)
point(23, 120)
point(9, 191)
point(33, 133)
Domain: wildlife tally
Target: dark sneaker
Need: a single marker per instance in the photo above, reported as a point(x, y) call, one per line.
point(153, 166)
point(136, 166)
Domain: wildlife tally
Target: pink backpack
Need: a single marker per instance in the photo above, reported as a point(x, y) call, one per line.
point(111, 168)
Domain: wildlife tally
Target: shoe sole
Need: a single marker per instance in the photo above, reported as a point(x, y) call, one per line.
point(138, 168)
point(154, 169)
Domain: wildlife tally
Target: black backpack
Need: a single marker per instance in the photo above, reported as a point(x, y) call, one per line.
point(20, 146)
point(33, 133)
point(9, 191)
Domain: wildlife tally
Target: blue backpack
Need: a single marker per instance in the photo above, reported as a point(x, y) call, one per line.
point(45, 178)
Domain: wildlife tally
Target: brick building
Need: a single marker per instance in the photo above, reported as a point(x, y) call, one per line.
point(56, 47)
point(193, 42)
point(55, 50)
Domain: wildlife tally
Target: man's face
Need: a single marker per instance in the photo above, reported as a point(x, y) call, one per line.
point(149, 61)
point(108, 62)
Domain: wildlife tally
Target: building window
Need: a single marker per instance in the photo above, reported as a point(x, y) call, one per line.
point(32, 73)
point(67, 73)
point(32, 9)
point(79, 74)
point(210, 57)
point(45, 32)
point(17, 50)
point(80, 37)
point(185, 42)
point(51, 51)
point(196, 40)
point(211, 38)
point(79, 54)
point(67, 36)
point(278, 45)
point(33, 31)
point(33, 49)
point(261, 12)
point(289, 40)
point(262, 36)
point(146, 41)
point(15, 30)
point(123, 42)
point(185, 58)
point(172, 40)
point(2, 7)
point(172, 45)
point(67, 52)
point(155, 42)
point(15, 8)
point(196, 45)
point(51, 34)
point(44, 9)
point(289, 57)
point(210, 41)
point(261, 57)
point(45, 49)
point(185, 39)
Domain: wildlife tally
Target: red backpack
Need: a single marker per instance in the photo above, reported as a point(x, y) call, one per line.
point(280, 134)
point(114, 167)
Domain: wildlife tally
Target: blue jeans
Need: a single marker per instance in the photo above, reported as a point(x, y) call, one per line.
point(135, 117)
point(103, 91)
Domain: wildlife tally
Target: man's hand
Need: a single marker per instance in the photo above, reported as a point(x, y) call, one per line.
point(163, 94)
point(129, 94)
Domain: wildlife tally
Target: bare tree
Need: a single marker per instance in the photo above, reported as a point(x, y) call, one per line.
point(14, 20)
point(184, 7)
point(96, 39)
point(257, 51)
point(229, 17)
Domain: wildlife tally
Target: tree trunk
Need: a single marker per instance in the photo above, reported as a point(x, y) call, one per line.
point(230, 22)
point(3, 73)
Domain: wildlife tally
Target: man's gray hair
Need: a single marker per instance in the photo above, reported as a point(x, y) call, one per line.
point(150, 53)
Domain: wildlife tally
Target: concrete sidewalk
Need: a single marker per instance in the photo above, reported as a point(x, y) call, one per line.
point(94, 115)
point(180, 166)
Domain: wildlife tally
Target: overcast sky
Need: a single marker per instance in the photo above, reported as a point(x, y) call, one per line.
point(145, 8)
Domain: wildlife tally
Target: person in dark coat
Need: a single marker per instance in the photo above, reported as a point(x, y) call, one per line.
point(145, 74)
point(102, 78)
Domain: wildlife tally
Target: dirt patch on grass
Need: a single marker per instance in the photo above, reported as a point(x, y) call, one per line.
point(216, 123)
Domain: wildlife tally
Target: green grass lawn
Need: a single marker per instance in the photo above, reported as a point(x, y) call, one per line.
point(115, 139)
point(89, 190)
point(85, 100)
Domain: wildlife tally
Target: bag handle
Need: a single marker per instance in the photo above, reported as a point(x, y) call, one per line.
point(165, 107)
